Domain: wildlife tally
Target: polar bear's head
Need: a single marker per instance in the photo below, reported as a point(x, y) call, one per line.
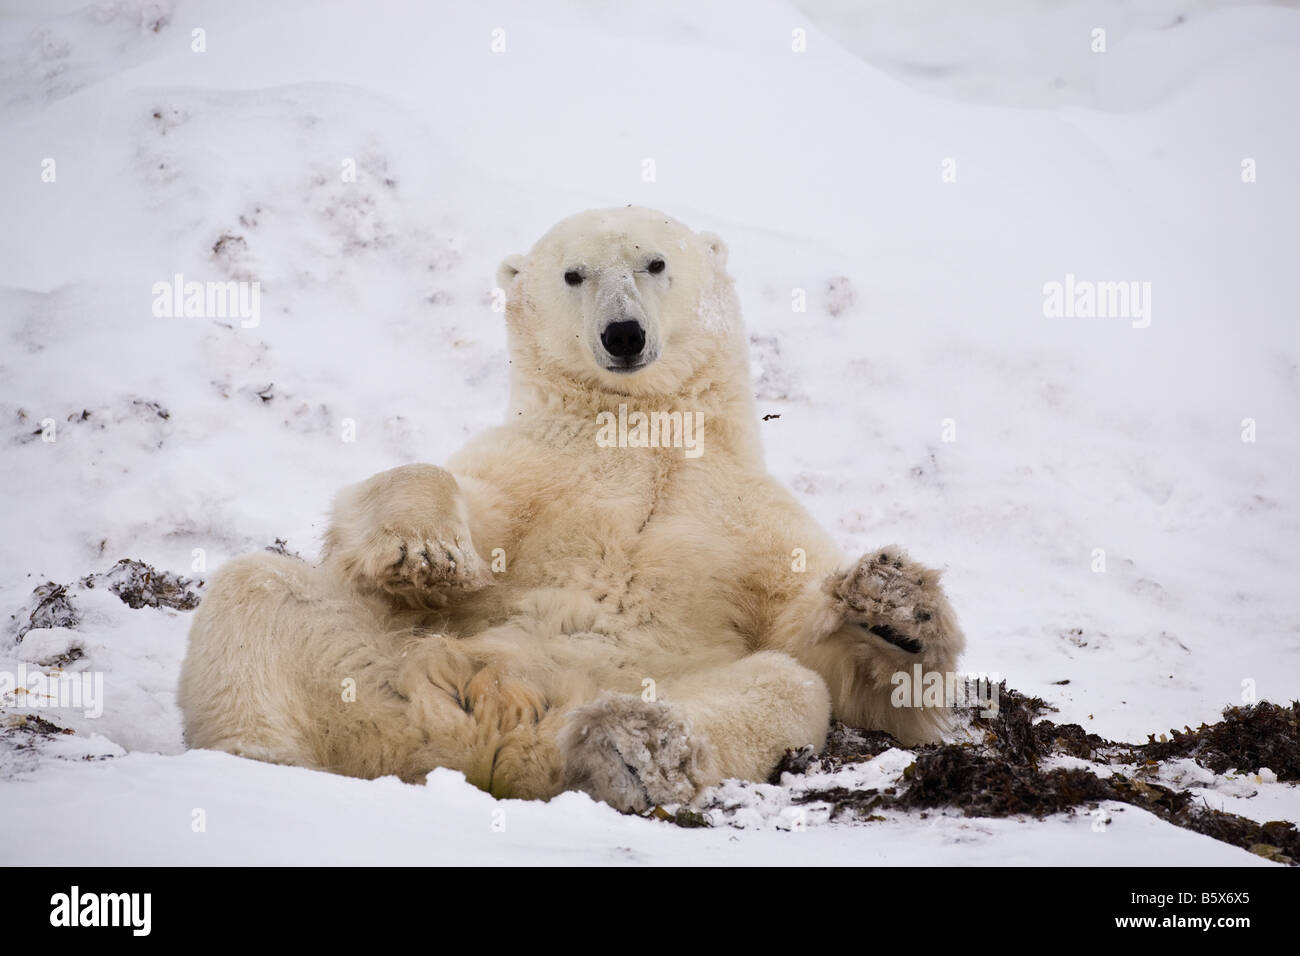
point(627, 300)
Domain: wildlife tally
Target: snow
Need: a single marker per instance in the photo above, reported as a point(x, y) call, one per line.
point(143, 809)
point(823, 171)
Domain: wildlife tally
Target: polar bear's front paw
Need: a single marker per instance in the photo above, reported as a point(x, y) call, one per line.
point(634, 754)
point(899, 605)
point(431, 565)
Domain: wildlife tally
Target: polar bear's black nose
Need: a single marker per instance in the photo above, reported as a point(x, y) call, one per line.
point(623, 340)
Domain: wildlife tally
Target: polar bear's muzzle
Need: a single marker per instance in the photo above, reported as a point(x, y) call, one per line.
point(624, 337)
point(624, 343)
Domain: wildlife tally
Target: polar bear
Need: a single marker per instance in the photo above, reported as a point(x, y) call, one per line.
point(606, 593)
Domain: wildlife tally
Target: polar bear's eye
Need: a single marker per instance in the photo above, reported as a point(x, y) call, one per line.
point(655, 267)
point(573, 278)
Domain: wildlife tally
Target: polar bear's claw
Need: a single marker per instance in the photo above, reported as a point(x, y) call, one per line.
point(890, 636)
point(418, 564)
point(899, 603)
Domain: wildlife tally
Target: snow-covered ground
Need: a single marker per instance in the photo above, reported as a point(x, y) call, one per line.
point(1102, 518)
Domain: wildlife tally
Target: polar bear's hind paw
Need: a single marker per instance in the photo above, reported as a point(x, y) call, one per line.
point(634, 754)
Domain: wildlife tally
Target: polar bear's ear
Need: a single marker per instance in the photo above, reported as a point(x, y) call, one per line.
point(717, 248)
point(508, 269)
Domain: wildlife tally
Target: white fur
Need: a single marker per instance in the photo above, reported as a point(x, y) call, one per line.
point(649, 635)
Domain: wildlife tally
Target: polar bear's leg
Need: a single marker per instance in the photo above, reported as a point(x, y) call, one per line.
point(236, 692)
point(862, 628)
point(734, 720)
point(287, 665)
point(405, 534)
point(754, 710)
point(858, 626)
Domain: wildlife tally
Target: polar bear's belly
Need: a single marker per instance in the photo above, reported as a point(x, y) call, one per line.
point(610, 581)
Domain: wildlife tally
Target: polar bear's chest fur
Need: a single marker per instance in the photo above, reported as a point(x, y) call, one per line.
point(615, 549)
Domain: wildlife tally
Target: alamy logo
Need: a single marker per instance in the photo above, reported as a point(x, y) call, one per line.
point(944, 689)
point(209, 300)
point(84, 690)
point(683, 430)
point(102, 909)
point(1085, 299)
